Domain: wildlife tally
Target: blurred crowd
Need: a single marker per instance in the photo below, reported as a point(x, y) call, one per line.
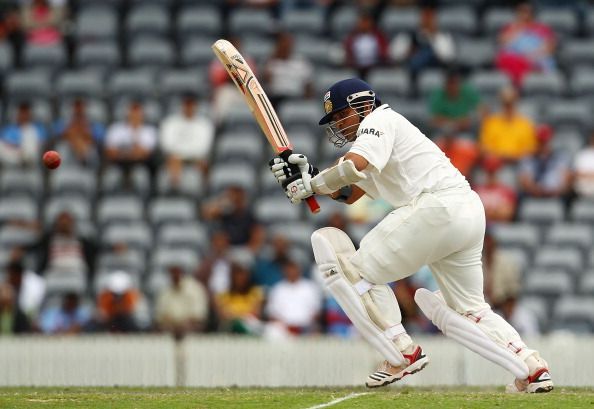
point(250, 279)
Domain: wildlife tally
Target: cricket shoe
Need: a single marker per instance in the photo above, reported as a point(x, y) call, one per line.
point(539, 381)
point(388, 373)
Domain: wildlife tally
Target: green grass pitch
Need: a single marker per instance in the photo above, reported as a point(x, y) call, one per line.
point(262, 398)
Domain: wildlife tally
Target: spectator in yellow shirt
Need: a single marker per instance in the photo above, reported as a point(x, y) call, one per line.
point(508, 134)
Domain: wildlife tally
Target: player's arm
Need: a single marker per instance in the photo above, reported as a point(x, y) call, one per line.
point(359, 161)
point(348, 194)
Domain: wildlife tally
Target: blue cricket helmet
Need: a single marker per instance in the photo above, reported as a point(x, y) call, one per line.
point(337, 96)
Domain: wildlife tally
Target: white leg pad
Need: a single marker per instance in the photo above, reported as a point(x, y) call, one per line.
point(331, 248)
point(468, 333)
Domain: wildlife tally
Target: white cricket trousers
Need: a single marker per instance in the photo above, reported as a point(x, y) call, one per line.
point(443, 230)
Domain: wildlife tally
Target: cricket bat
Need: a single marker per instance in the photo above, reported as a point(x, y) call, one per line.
point(258, 101)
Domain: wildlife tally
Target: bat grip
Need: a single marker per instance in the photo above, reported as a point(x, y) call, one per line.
point(313, 204)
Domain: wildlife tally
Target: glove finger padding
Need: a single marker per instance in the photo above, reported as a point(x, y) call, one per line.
point(298, 188)
point(280, 169)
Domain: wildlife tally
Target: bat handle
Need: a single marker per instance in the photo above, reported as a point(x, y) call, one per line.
point(314, 207)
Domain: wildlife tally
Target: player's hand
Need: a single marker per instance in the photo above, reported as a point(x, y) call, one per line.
point(298, 188)
point(280, 169)
point(300, 160)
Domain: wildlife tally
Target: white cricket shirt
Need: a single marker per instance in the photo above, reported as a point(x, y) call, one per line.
point(404, 162)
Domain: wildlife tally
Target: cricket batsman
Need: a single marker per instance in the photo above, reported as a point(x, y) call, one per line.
point(439, 221)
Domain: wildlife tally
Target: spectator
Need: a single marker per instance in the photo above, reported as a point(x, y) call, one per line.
point(366, 46)
point(215, 270)
point(183, 307)
point(68, 318)
point(425, 48)
point(295, 302)
point(502, 272)
point(546, 173)
point(500, 201)
point(525, 45)
point(464, 153)
point(268, 268)
point(508, 134)
point(186, 138)
point(583, 167)
point(453, 108)
point(29, 288)
point(239, 309)
point(118, 304)
point(284, 60)
point(63, 251)
point(9, 27)
point(43, 22)
point(80, 136)
point(12, 319)
point(21, 142)
point(232, 213)
point(131, 142)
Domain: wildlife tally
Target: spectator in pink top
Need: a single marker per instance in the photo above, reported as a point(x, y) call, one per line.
point(525, 45)
point(42, 22)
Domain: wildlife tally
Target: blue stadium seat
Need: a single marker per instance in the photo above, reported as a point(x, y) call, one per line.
point(50, 58)
point(582, 210)
point(246, 147)
point(544, 84)
point(475, 53)
point(179, 82)
point(541, 211)
point(198, 21)
point(306, 21)
point(547, 283)
point(96, 23)
point(458, 20)
point(399, 19)
point(495, 19)
point(564, 22)
point(135, 235)
point(83, 83)
point(578, 311)
point(239, 174)
point(102, 57)
point(148, 19)
point(165, 257)
point(389, 82)
point(6, 57)
point(171, 210)
point(27, 84)
point(131, 83)
point(151, 53)
point(191, 235)
point(248, 21)
point(569, 259)
point(274, 208)
point(119, 209)
point(517, 234)
point(566, 234)
point(192, 183)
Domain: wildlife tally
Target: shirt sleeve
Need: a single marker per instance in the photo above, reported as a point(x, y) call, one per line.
point(375, 142)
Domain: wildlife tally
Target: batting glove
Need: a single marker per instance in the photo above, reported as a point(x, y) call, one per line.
point(280, 169)
point(298, 188)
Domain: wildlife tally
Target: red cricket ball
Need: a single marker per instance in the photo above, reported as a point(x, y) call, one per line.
point(51, 159)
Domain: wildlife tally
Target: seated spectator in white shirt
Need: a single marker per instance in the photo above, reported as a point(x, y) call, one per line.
point(295, 302)
point(280, 85)
point(186, 137)
point(133, 141)
point(183, 307)
point(583, 166)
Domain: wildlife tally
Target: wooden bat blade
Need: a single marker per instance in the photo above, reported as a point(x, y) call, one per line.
point(257, 100)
